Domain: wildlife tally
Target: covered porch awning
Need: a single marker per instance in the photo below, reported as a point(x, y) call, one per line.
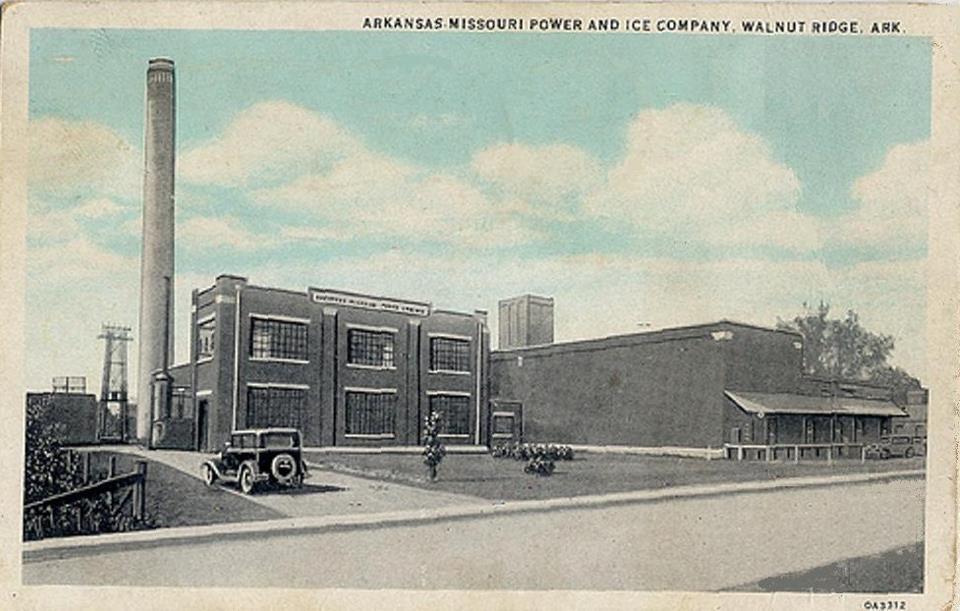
point(788, 403)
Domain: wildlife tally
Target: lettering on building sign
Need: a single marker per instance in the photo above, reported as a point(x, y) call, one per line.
point(371, 303)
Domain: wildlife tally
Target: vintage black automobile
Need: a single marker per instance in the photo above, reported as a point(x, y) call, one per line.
point(258, 456)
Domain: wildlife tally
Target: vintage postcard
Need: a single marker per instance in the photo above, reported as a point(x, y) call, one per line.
point(519, 305)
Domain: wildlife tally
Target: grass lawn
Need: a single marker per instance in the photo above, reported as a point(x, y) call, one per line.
point(504, 479)
point(896, 571)
point(177, 499)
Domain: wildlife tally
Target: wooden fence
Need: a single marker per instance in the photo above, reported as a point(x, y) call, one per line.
point(128, 489)
point(796, 451)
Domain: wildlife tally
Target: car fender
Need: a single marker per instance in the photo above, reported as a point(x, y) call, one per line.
point(257, 474)
point(215, 465)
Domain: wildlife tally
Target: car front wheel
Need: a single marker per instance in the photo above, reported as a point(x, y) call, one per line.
point(209, 477)
point(247, 481)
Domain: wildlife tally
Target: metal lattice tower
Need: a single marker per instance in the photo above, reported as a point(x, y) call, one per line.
point(113, 387)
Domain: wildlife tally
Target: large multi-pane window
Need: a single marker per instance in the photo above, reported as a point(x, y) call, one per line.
point(206, 331)
point(269, 406)
point(449, 354)
point(370, 348)
point(278, 339)
point(371, 413)
point(455, 410)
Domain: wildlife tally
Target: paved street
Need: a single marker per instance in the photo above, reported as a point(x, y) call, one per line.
point(693, 544)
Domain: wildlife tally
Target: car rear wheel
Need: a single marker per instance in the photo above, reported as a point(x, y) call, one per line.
point(246, 480)
point(908, 453)
point(209, 476)
point(885, 453)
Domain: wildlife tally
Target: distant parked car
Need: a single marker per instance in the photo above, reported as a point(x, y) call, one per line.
point(258, 456)
point(897, 445)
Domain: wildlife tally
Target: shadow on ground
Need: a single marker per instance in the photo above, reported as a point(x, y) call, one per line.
point(307, 489)
point(897, 571)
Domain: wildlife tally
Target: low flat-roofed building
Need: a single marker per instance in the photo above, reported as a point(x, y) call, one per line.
point(718, 385)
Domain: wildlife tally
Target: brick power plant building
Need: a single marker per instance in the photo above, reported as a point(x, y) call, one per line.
point(350, 369)
point(359, 370)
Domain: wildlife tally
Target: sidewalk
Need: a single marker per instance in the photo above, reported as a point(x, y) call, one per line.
point(48, 549)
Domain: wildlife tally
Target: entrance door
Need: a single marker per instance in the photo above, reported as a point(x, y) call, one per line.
point(203, 435)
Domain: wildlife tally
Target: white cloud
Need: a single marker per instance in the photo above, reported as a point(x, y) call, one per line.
point(78, 259)
point(99, 207)
point(266, 143)
point(367, 194)
point(307, 233)
point(687, 170)
point(539, 173)
point(46, 223)
point(68, 157)
point(52, 226)
point(605, 295)
point(892, 201)
point(690, 170)
point(202, 232)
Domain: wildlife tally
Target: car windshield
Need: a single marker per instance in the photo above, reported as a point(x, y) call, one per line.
point(279, 440)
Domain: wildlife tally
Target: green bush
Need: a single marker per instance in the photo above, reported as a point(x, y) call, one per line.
point(50, 469)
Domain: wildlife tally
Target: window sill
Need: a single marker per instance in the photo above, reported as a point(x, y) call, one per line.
point(450, 372)
point(372, 367)
point(370, 436)
point(503, 435)
point(267, 359)
point(454, 435)
point(205, 359)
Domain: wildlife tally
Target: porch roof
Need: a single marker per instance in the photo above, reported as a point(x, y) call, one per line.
point(789, 403)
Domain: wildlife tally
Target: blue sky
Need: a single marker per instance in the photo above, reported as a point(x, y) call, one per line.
point(650, 179)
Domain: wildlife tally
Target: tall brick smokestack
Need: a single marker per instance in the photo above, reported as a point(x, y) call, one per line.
point(156, 255)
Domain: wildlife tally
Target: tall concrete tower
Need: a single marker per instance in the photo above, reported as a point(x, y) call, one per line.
point(156, 254)
point(524, 321)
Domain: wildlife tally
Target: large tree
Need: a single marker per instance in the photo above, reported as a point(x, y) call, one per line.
point(843, 348)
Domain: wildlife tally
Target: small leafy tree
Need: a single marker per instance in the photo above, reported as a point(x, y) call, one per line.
point(433, 450)
point(843, 348)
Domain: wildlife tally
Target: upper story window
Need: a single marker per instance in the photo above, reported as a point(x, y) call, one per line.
point(206, 332)
point(278, 339)
point(449, 354)
point(370, 348)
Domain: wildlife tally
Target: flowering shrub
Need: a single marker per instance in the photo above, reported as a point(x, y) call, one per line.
point(527, 451)
point(540, 465)
point(433, 450)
